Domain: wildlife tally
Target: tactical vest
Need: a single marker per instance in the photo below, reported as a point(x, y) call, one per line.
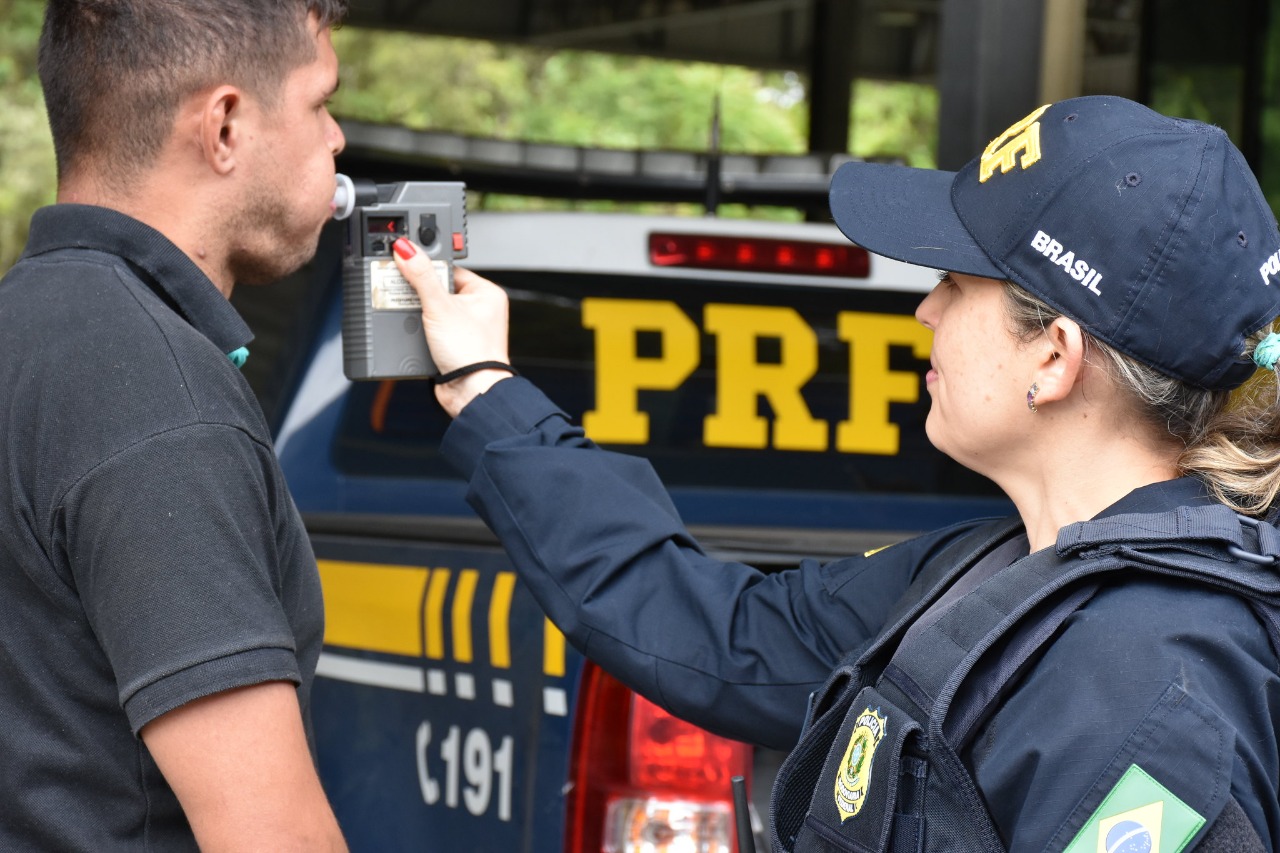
point(873, 771)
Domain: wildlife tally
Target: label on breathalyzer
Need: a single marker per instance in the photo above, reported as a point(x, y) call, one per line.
point(388, 290)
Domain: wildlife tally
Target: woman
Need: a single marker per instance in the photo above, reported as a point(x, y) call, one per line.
point(1099, 673)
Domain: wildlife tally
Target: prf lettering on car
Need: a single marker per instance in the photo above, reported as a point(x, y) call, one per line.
point(772, 374)
point(742, 379)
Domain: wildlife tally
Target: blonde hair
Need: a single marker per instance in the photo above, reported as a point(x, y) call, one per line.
point(1230, 439)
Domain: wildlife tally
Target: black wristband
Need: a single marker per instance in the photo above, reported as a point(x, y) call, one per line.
point(468, 369)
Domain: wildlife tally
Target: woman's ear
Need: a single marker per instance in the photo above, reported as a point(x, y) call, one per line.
point(221, 131)
point(1060, 365)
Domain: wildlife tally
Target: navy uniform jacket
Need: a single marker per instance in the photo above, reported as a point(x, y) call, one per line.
point(598, 541)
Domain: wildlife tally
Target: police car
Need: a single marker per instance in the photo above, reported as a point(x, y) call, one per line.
point(771, 372)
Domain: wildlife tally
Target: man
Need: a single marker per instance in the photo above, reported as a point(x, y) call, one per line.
point(160, 608)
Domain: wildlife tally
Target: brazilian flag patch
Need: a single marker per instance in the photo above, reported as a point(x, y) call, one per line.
point(1139, 816)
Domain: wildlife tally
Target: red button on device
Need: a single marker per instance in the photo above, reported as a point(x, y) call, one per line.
point(459, 242)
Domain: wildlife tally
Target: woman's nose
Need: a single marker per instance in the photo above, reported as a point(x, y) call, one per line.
point(927, 310)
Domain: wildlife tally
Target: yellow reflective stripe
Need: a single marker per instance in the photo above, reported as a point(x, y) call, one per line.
point(433, 613)
point(400, 610)
point(504, 586)
point(463, 597)
point(552, 650)
point(373, 607)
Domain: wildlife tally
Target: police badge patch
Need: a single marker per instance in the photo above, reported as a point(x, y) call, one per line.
point(854, 773)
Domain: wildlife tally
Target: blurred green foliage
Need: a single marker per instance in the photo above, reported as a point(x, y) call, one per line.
point(1269, 168)
point(483, 89)
point(26, 152)
point(593, 99)
point(598, 100)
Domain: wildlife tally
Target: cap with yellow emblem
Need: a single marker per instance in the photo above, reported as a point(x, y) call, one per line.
point(1149, 231)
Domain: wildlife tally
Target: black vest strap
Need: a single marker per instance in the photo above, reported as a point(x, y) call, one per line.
point(932, 665)
point(938, 574)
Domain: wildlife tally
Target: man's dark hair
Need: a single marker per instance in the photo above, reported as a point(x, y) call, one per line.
point(115, 71)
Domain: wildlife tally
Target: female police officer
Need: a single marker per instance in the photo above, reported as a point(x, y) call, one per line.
point(1097, 674)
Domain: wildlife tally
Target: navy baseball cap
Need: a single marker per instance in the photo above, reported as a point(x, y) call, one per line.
point(1149, 231)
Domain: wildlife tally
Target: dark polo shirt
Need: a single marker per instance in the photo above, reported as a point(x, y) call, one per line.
point(150, 553)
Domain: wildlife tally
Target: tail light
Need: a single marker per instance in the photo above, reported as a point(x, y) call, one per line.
point(757, 254)
point(644, 781)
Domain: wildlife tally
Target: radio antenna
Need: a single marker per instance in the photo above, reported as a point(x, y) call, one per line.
point(712, 200)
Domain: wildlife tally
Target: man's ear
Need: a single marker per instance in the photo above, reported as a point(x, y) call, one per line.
point(221, 127)
point(1061, 360)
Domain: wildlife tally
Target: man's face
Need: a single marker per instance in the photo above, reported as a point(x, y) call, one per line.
point(289, 161)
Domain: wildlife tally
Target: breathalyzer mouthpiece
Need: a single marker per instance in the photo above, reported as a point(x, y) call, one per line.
point(349, 194)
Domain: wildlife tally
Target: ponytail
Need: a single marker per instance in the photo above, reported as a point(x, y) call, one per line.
point(1237, 451)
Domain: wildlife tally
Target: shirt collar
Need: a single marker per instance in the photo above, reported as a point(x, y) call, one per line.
point(1161, 497)
point(160, 264)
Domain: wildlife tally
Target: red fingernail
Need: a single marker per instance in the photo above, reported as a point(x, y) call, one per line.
point(404, 248)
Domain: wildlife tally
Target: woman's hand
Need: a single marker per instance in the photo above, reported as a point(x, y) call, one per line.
point(462, 328)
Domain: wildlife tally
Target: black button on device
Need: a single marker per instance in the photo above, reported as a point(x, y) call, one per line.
point(427, 229)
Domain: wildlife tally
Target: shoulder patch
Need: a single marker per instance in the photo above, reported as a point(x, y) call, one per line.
point(1139, 816)
point(854, 775)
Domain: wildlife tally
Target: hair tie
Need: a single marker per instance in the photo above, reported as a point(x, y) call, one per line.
point(1267, 352)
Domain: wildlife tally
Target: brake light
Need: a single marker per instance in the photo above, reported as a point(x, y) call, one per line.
point(644, 781)
point(759, 254)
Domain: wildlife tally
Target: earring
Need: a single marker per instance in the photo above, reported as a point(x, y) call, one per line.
point(1031, 397)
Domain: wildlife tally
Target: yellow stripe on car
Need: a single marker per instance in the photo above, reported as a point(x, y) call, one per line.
point(373, 607)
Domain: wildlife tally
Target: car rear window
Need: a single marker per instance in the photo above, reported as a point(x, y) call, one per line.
point(394, 429)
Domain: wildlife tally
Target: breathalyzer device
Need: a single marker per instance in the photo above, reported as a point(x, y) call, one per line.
point(382, 334)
